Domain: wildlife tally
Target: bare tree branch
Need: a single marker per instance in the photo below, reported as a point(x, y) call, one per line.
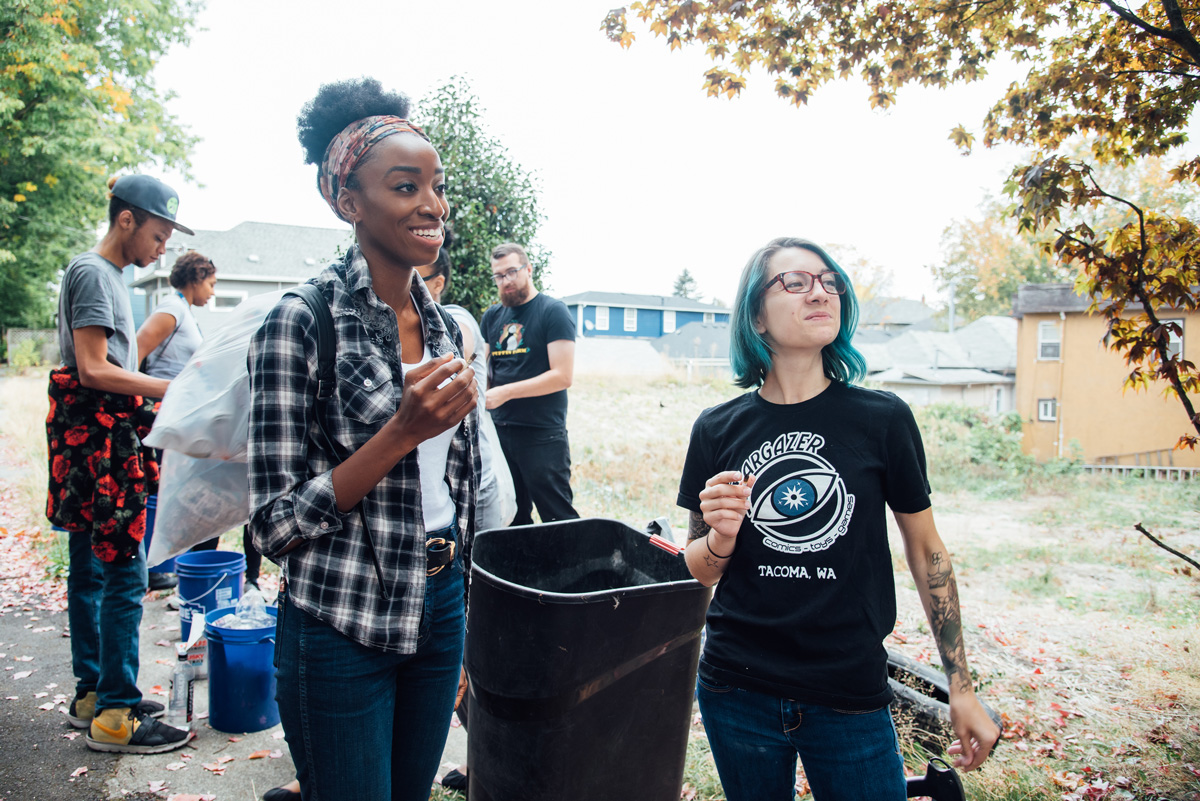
point(1177, 33)
point(1166, 547)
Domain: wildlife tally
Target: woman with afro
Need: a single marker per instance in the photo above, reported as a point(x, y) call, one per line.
point(368, 513)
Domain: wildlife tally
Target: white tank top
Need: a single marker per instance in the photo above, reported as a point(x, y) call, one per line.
point(436, 503)
point(179, 344)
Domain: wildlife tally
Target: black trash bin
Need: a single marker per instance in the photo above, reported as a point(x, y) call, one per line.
point(582, 645)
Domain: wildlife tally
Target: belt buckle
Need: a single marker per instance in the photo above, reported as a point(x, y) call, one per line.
point(438, 545)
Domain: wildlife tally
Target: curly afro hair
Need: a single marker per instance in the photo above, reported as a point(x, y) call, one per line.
point(339, 104)
point(191, 268)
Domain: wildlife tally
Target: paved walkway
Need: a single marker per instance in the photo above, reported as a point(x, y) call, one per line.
point(41, 754)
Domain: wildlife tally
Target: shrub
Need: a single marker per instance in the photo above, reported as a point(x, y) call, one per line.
point(25, 354)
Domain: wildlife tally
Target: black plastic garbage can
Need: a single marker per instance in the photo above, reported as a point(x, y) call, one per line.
point(582, 645)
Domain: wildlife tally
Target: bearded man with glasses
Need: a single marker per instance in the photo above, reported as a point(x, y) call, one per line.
point(531, 361)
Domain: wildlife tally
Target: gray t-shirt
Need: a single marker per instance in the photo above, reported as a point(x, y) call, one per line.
point(94, 293)
point(168, 359)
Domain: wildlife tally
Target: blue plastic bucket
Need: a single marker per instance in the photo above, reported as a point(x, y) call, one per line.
point(208, 580)
point(151, 508)
point(241, 676)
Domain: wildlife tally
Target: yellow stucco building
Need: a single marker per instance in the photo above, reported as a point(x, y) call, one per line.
point(1070, 387)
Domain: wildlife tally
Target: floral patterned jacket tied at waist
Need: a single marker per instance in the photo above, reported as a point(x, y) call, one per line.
point(100, 475)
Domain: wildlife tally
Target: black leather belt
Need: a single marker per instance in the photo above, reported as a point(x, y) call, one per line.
point(439, 552)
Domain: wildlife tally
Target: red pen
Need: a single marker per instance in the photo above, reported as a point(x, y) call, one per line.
point(666, 545)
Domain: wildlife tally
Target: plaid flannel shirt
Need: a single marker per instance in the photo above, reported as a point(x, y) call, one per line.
point(331, 575)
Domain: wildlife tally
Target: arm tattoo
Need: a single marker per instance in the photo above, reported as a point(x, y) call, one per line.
point(711, 562)
point(945, 619)
point(697, 528)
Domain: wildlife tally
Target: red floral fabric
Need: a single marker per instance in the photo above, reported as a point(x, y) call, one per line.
point(100, 475)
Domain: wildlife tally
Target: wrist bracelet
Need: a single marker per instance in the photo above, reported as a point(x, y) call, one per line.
point(710, 550)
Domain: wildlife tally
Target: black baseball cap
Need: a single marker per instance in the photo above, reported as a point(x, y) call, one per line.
point(152, 195)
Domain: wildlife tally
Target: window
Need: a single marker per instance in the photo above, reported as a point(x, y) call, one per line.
point(227, 301)
point(1047, 410)
point(631, 319)
point(601, 318)
point(708, 318)
point(1049, 341)
point(668, 322)
point(998, 400)
point(1175, 344)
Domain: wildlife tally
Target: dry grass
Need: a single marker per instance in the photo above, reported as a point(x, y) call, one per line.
point(1082, 634)
point(628, 441)
point(23, 408)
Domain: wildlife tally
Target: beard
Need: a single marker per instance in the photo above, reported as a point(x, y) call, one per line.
point(516, 296)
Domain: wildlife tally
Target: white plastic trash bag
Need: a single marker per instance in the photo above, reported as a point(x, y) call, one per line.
point(198, 499)
point(206, 411)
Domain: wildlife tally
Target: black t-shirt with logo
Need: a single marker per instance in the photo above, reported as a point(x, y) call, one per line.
point(808, 595)
point(518, 337)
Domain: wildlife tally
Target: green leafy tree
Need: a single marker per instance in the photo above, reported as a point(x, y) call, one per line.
point(871, 281)
point(78, 104)
point(686, 286)
point(986, 260)
point(492, 198)
point(1123, 74)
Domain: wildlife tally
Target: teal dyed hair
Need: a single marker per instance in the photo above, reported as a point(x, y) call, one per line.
point(749, 352)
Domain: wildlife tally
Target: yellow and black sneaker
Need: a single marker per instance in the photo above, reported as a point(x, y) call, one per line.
point(131, 731)
point(84, 707)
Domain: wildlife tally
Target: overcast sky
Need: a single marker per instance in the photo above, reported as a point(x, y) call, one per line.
point(641, 173)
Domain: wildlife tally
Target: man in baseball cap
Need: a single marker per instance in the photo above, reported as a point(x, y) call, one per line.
point(100, 476)
point(152, 195)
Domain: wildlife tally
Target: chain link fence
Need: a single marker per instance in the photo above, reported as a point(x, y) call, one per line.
point(31, 347)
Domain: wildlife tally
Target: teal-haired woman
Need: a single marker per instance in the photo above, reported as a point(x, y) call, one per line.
point(787, 488)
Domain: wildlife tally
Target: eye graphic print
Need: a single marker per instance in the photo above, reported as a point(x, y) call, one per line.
point(794, 497)
point(797, 498)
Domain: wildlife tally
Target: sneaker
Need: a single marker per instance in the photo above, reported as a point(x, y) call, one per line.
point(455, 780)
point(163, 581)
point(84, 707)
point(128, 731)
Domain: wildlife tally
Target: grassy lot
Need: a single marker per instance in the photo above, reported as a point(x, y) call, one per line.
point(1083, 634)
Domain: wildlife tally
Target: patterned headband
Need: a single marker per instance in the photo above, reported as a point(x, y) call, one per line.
point(350, 147)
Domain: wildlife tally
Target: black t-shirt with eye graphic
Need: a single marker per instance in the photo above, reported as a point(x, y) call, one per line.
point(808, 596)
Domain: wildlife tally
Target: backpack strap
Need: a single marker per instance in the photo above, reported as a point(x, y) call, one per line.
point(326, 339)
point(326, 383)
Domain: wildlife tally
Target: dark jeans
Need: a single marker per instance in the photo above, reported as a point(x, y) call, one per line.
point(362, 723)
point(540, 461)
point(104, 607)
point(755, 739)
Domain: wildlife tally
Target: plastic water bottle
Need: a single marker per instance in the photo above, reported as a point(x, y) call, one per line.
point(179, 711)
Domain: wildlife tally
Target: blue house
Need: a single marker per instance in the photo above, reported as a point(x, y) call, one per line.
point(616, 314)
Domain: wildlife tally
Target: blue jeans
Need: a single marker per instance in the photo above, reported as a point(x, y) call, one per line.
point(362, 723)
point(755, 739)
point(104, 607)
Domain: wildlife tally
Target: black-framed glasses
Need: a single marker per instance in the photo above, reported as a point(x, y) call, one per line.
point(799, 282)
point(507, 275)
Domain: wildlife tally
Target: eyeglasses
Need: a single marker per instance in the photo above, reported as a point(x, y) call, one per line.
point(798, 282)
point(507, 275)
